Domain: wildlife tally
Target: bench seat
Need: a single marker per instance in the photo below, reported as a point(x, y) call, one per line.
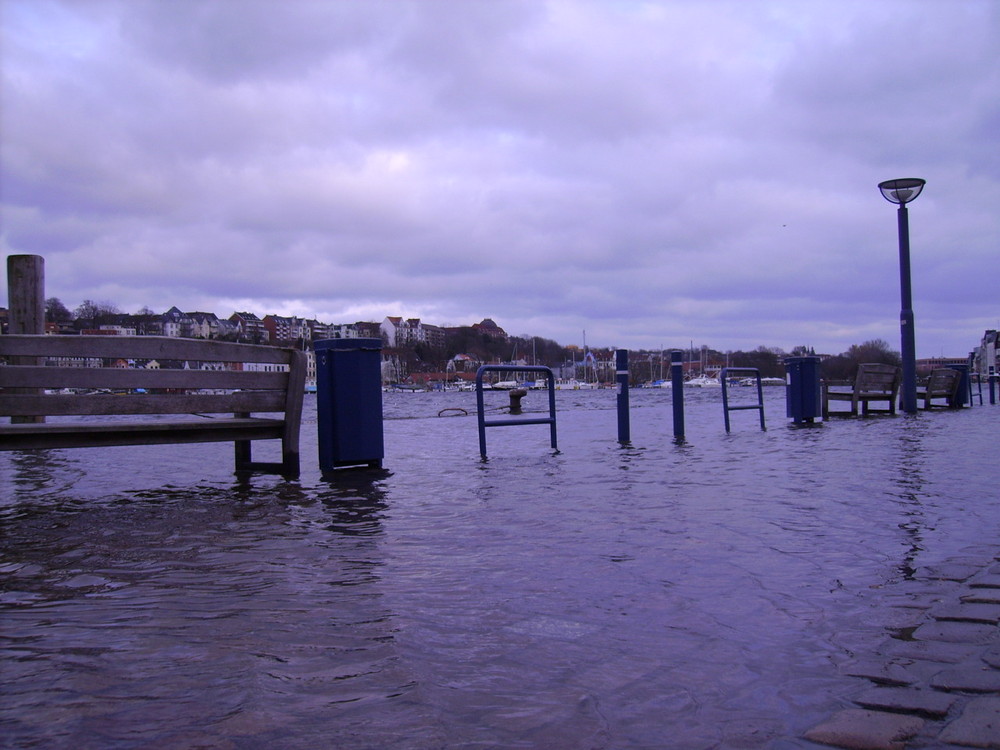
point(92, 434)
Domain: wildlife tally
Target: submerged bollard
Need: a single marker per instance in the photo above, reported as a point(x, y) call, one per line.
point(677, 382)
point(621, 374)
point(994, 378)
point(515, 400)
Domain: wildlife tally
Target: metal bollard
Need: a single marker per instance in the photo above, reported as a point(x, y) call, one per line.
point(677, 382)
point(515, 400)
point(621, 375)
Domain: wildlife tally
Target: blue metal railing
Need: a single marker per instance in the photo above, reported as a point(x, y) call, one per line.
point(726, 408)
point(483, 424)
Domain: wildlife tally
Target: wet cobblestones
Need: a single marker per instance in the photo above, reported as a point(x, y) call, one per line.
point(935, 684)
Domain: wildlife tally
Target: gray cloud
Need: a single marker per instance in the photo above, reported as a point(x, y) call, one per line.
point(652, 173)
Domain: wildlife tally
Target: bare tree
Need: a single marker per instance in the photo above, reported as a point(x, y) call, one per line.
point(89, 309)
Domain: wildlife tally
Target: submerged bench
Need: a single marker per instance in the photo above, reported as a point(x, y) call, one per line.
point(943, 382)
point(874, 382)
point(148, 390)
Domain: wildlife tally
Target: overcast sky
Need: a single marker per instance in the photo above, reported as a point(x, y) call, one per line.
point(652, 173)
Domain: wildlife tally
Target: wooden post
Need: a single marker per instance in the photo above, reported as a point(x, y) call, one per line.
point(26, 292)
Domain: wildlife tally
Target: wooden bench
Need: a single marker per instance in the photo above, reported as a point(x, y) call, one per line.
point(943, 382)
point(87, 391)
point(874, 382)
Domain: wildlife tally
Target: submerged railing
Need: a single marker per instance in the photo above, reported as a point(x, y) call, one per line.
point(483, 424)
point(726, 408)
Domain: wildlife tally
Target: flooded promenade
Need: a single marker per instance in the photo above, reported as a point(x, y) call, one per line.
point(728, 591)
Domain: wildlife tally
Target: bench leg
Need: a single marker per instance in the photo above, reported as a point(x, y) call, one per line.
point(244, 458)
point(289, 466)
point(289, 463)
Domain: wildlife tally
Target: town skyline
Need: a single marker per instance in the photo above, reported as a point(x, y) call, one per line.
point(108, 311)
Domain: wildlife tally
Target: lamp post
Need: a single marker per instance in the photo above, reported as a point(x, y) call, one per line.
point(902, 192)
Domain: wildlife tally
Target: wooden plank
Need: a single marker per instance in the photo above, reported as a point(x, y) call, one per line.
point(293, 406)
point(142, 347)
point(115, 377)
point(65, 404)
point(69, 435)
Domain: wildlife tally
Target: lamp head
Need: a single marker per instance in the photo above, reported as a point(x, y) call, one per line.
point(901, 191)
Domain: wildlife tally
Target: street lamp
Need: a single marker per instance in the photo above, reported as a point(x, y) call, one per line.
point(902, 192)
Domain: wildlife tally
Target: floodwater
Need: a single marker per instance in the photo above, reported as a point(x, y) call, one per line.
point(664, 594)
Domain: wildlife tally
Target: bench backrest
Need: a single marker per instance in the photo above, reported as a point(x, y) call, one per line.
point(877, 378)
point(179, 376)
point(943, 382)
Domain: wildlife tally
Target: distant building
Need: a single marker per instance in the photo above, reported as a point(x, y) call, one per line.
point(931, 363)
point(491, 329)
point(250, 328)
point(177, 324)
point(227, 330)
point(399, 332)
point(368, 330)
point(463, 363)
point(435, 336)
point(119, 330)
point(319, 331)
point(986, 357)
point(204, 325)
point(389, 331)
point(286, 329)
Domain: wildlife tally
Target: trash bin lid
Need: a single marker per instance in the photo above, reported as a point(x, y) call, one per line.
point(348, 345)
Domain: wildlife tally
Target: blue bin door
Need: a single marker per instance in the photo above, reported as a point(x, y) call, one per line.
point(349, 402)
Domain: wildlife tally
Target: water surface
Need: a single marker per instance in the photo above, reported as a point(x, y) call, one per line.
point(686, 595)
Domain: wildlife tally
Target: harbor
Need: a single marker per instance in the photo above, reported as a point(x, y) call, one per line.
point(725, 590)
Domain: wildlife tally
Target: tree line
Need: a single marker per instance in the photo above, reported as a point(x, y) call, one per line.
point(482, 347)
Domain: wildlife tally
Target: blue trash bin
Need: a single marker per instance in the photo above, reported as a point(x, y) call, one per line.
point(803, 400)
point(349, 403)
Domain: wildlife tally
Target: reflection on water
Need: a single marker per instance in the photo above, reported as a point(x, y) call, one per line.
point(910, 487)
point(657, 594)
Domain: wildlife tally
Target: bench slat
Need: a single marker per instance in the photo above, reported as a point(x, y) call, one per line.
point(140, 347)
point(195, 403)
point(120, 377)
point(102, 434)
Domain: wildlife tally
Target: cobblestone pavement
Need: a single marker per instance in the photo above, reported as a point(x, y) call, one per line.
point(935, 684)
